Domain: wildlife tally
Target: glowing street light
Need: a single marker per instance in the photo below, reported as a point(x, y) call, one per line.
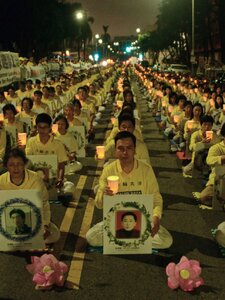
point(138, 30)
point(97, 36)
point(79, 15)
point(100, 41)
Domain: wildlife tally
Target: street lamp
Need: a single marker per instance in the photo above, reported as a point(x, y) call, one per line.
point(138, 30)
point(193, 36)
point(97, 36)
point(79, 16)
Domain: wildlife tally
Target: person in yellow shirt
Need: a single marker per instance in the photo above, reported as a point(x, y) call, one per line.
point(69, 142)
point(141, 151)
point(134, 177)
point(199, 142)
point(40, 107)
point(26, 112)
point(69, 114)
point(18, 177)
point(126, 123)
point(2, 142)
point(45, 143)
point(10, 113)
point(216, 156)
point(13, 97)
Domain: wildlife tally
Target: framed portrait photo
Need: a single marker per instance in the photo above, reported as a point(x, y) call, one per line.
point(127, 224)
point(219, 188)
point(21, 226)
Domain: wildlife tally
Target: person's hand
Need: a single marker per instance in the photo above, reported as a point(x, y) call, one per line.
point(155, 226)
point(108, 191)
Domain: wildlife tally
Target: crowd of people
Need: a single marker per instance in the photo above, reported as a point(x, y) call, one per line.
point(190, 112)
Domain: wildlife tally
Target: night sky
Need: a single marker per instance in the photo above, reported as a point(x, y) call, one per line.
point(122, 16)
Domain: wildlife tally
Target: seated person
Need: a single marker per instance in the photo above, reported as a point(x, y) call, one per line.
point(124, 124)
point(199, 142)
point(216, 156)
point(128, 223)
point(69, 142)
point(45, 143)
point(133, 176)
point(18, 178)
point(127, 124)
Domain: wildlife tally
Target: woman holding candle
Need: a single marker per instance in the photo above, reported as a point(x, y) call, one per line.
point(216, 156)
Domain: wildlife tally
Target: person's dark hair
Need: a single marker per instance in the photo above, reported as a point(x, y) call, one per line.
point(128, 92)
point(188, 102)
point(206, 119)
point(198, 105)
point(77, 102)
point(82, 88)
point(182, 97)
point(39, 93)
point(125, 135)
point(51, 89)
point(217, 105)
point(29, 81)
point(29, 100)
point(19, 212)
point(222, 131)
point(129, 213)
point(61, 117)
point(9, 106)
point(43, 118)
point(173, 95)
point(126, 117)
point(14, 152)
point(38, 81)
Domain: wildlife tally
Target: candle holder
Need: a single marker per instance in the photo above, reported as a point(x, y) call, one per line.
point(100, 151)
point(113, 183)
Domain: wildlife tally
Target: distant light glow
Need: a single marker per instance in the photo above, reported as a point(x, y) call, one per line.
point(100, 41)
point(104, 63)
point(79, 15)
point(128, 49)
point(140, 57)
point(138, 30)
point(97, 36)
point(91, 57)
point(67, 53)
point(96, 57)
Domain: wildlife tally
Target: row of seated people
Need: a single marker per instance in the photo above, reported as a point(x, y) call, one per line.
point(190, 127)
point(127, 157)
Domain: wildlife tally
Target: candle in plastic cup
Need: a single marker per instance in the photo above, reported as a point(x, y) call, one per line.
point(190, 124)
point(224, 107)
point(176, 118)
point(113, 183)
point(113, 120)
point(119, 103)
point(163, 103)
point(170, 108)
point(55, 128)
point(209, 134)
point(18, 108)
point(22, 138)
point(100, 150)
point(1, 117)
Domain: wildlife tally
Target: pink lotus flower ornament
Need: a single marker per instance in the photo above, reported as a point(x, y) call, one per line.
point(47, 271)
point(186, 275)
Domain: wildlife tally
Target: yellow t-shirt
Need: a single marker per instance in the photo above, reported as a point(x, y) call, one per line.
point(53, 146)
point(69, 141)
point(141, 180)
point(141, 151)
point(115, 130)
point(2, 142)
point(32, 181)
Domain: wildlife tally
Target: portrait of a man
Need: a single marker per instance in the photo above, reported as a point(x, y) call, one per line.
point(18, 218)
point(128, 223)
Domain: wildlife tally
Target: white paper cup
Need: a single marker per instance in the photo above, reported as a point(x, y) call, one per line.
point(113, 183)
point(22, 138)
point(209, 134)
point(55, 128)
point(100, 150)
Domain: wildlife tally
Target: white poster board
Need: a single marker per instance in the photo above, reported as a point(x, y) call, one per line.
point(79, 133)
point(219, 188)
point(127, 224)
point(21, 226)
point(47, 167)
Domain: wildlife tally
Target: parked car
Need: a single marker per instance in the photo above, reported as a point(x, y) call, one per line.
point(178, 68)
